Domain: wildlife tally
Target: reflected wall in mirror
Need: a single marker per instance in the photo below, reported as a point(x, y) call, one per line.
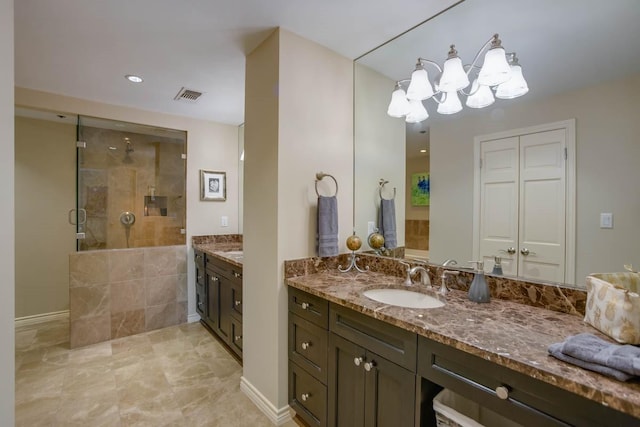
point(581, 60)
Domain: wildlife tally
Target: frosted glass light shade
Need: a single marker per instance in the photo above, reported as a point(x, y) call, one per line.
point(399, 106)
point(420, 86)
point(495, 69)
point(418, 113)
point(453, 76)
point(514, 87)
point(451, 104)
point(482, 96)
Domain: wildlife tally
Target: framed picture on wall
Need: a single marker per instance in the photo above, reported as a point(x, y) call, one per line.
point(420, 189)
point(213, 186)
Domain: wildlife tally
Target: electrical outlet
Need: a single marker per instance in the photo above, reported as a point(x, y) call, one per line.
point(606, 220)
point(224, 221)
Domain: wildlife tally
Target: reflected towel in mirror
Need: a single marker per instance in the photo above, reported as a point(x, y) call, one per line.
point(327, 237)
point(387, 222)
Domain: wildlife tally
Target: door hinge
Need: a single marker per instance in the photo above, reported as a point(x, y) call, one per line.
point(81, 144)
point(480, 163)
point(566, 154)
point(80, 236)
point(183, 156)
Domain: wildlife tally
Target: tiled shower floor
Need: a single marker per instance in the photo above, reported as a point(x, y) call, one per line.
point(178, 376)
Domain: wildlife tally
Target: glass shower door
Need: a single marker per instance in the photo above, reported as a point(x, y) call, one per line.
point(130, 185)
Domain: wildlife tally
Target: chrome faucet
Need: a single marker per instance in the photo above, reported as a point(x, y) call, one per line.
point(424, 275)
point(449, 262)
point(407, 266)
point(443, 288)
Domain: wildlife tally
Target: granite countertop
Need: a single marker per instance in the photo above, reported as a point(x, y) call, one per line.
point(504, 332)
point(230, 252)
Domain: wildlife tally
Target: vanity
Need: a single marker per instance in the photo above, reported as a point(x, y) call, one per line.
point(354, 361)
point(218, 264)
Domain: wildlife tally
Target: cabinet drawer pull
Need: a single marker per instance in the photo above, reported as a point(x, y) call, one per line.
point(237, 338)
point(305, 345)
point(305, 305)
point(502, 392)
point(237, 302)
point(305, 396)
point(357, 361)
point(369, 366)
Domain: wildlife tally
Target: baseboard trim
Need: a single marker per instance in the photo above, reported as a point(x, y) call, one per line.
point(193, 318)
point(275, 415)
point(40, 318)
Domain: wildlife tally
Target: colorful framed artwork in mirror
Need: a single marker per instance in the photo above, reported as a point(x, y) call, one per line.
point(420, 189)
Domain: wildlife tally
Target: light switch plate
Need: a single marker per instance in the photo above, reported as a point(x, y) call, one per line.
point(224, 221)
point(606, 220)
point(370, 227)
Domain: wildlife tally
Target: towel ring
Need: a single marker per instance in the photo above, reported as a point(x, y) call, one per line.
point(319, 177)
point(382, 184)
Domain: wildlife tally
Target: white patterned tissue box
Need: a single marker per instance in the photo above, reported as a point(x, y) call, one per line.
point(613, 305)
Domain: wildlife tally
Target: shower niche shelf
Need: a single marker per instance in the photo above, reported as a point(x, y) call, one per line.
point(155, 205)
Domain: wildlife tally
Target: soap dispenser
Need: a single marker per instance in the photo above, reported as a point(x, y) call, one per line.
point(497, 265)
point(479, 290)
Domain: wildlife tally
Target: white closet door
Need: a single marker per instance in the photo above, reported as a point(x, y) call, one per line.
point(542, 206)
point(499, 202)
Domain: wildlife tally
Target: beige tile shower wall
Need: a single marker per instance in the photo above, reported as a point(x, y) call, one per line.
point(121, 292)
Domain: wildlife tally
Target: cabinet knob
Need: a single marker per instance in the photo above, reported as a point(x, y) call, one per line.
point(215, 279)
point(502, 392)
point(199, 278)
point(237, 275)
point(525, 252)
point(305, 396)
point(305, 305)
point(237, 302)
point(357, 361)
point(369, 366)
point(237, 338)
point(305, 345)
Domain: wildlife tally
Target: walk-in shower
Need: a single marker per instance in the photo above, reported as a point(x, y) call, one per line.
point(130, 185)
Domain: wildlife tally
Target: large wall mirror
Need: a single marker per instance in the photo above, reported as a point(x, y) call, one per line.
point(581, 60)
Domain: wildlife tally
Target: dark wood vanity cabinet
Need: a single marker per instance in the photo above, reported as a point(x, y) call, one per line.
point(219, 299)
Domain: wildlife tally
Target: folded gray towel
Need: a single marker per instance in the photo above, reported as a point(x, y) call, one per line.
point(556, 351)
point(327, 243)
point(590, 348)
point(387, 222)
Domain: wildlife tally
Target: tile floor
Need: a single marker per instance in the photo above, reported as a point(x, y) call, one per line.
point(177, 376)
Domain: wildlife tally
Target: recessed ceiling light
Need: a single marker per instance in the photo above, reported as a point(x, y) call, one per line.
point(133, 78)
point(423, 151)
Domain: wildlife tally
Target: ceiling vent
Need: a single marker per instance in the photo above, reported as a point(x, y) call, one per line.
point(188, 95)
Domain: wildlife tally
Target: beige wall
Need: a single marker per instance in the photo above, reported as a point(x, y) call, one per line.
point(210, 145)
point(298, 119)
point(7, 234)
point(381, 148)
point(607, 135)
point(45, 179)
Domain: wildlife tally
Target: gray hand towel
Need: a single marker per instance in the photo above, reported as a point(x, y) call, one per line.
point(590, 348)
point(556, 351)
point(387, 222)
point(327, 243)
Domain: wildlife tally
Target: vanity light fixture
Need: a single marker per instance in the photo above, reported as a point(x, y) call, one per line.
point(500, 72)
point(133, 78)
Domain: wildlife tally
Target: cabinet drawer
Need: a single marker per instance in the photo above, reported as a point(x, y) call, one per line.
point(308, 346)
point(307, 396)
point(235, 339)
point(199, 257)
point(236, 300)
point(309, 307)
point(393, 343)
point(526, 400)
point(201, 274)
point(225, 269)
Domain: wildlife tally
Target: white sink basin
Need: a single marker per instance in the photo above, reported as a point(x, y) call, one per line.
point(403, 298)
